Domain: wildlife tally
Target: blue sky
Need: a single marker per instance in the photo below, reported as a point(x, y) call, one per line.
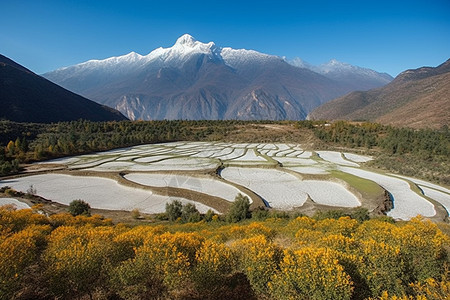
point(387, 36)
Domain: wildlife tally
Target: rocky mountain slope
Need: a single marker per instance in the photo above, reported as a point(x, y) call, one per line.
point(27, 97)
point(195, 80)
point(417, 98)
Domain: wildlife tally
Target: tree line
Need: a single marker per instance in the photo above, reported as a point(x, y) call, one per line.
point(421, 153)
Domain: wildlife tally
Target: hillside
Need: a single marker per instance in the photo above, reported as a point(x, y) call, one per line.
point(416, 98)
point(27, 97)
point(194, 80)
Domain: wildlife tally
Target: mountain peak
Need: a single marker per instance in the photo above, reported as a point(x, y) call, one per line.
point(186, 40)
point(334, 62)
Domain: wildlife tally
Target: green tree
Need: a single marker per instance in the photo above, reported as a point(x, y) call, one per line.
point(240, 210)
point(174, 210)
point(190, 214)
point(79, 207)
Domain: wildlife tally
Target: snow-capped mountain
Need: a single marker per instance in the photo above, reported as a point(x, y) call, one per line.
point(356, 77)
point(195, 80)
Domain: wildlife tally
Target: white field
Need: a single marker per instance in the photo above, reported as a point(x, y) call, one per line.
point(308, 170)
point(425, 183)
point(284, 152)
point(281, 190)
point(237, 152)
point(14, 202)
point(305, 154)
point(357, 157)
point(250, 155)
point(269, 147)
point(407, 204)
point(223, 152)
point(101, 193)
point(296, 161)
point(330, 193)
point(441, 197)
point(283, 146)
point(336, 158)
point(295, 153)
point(208, 186)
point(153, 158)
point(285, 191)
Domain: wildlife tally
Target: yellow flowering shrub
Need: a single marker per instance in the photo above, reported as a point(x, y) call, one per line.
point(424, 246)
point(12, 220)
point(338, 242)
point(383, 267)
point(298, 223)
point(80, 255)
point(311, 273)
point(66, 219)
point(432, 289)
point(160, 265)
point(252, 229)
point(213, 263)
point(305, 237)
point(76, 257)
point(128, 239)
point(344, 226)
point(258, 259)
point(17, 252)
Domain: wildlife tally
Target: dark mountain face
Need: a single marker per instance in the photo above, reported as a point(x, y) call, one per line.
point(193, 80)
point(417, 98)
point(27, 97)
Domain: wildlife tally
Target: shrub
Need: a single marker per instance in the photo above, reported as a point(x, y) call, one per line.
point(213, 263)
point(174, 210)
point(260, 214)
point(239, 210)
point(311, 273)
point(209, 215)
point(190, 214)
point(79, 207)
point(258, 259)
point(135, 214)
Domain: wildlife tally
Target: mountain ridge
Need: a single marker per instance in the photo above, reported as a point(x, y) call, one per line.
point(417, 98)
point(28, 97)
point(195, 80)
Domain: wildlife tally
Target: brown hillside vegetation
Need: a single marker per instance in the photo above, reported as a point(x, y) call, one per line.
point(416, 98)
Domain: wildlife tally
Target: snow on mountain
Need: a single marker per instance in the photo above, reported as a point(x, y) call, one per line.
point(236, 57)
point(181, 51)
point(195, 80)
point(335, 69)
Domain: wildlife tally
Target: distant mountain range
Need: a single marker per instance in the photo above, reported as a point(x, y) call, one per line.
point(417, 98)
point(27, 97)
point(195, 80)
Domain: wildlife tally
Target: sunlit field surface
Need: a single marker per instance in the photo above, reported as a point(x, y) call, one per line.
point(279, 176)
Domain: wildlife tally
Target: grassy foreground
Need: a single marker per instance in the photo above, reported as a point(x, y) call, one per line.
point(66, 257)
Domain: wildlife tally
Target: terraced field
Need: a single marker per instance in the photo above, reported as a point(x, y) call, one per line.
point(210, 175)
